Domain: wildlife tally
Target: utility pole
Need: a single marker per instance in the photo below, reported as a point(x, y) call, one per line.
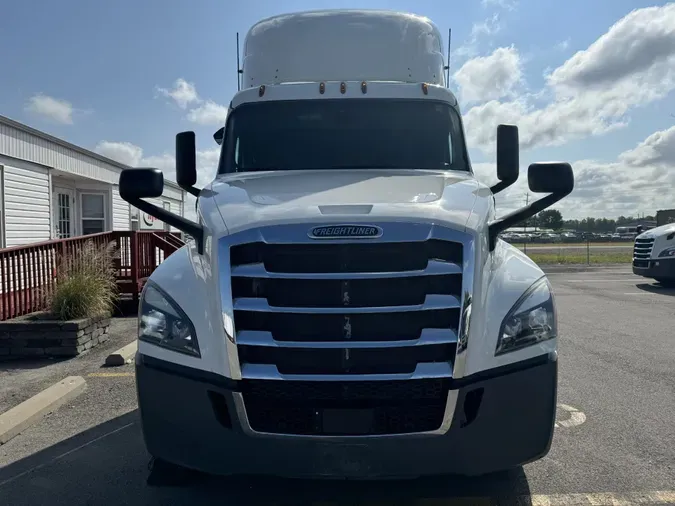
point(527, 199)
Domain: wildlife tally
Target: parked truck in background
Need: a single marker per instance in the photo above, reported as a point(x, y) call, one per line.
point(654, 250)
point(665, 216)
point(346, 308)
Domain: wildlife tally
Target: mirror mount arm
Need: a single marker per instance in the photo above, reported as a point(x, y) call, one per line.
point(498, 226)
point(192, 190)
point(189, 227)
point(502, 185)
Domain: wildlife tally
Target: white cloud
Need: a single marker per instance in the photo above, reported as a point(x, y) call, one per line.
point(592, 92)
point(563, 45)
point(485, 28)
point(54, 109)
point(210, 113)
point(490, 77)
point(183, 93)
point(503, 4)
point(202, 112)
point(657, 150)
point(633, 183)
point(643, 42)
point(123, 152)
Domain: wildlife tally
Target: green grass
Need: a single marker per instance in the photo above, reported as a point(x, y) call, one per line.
point(86, 284)
point(576, 258)
point(626, 244)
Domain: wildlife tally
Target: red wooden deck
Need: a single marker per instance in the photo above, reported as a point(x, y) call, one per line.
point(28, 273)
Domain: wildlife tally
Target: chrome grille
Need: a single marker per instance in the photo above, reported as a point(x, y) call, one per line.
point(345, 338)
point(341, 309)
point(643, 249)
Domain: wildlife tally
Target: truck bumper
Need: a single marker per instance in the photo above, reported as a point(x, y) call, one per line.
point(190, 419)
point(655, 269)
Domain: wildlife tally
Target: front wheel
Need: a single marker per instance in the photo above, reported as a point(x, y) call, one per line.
point(166, 474)
point(668, 283)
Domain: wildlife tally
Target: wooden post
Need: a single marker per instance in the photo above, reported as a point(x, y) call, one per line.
point(134, 264)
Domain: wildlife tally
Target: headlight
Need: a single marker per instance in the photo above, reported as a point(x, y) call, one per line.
point(163, 323)
point(668, 253)
point(531, 320)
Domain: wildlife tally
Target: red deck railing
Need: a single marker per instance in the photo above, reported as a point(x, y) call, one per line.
point(28, 273)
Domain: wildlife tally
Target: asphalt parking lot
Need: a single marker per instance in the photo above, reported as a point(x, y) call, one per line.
point(614, 443)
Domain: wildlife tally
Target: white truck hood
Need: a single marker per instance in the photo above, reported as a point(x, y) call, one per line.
point(266, 198)
point(668, 228)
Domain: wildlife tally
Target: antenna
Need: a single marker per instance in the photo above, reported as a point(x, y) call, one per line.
point(239, 71)
point(447, 67)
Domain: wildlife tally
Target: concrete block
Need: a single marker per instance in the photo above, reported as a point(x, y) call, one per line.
point(123, 355)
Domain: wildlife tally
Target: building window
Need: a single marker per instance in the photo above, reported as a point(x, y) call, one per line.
point(63, 201)
point(93, 213)
point(133, 218)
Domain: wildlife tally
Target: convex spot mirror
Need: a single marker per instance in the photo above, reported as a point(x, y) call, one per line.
point(141, 183)
point(508, 159)
point(550, 177)
point(218, 136)
point(186, 159)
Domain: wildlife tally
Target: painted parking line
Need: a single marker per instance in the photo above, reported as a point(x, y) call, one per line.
point(590, 499)
point(69, 452)
point(109, 374)
point(617, 280)
point(574, 419)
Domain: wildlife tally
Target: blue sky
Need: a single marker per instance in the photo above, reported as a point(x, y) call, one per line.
point(93, 73)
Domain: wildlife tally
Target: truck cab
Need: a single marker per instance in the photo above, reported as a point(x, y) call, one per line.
point(346, 302)
point(654, 254)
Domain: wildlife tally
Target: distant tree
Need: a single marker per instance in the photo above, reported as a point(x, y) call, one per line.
point(550, 218)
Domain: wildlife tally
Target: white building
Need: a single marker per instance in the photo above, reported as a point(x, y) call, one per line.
point(51, 189)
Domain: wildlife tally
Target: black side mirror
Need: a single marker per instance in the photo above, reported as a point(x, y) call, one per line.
point(186, 162)
point(554, 178)
point(550, 177)
point(141, 183)
point(219, 135)
point(508, 157)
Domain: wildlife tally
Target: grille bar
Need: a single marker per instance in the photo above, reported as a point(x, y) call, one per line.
point(346, 257)
point(433, 268)
point(433, 370)
point(397, 326)
point(346, 361)
point(265, 338)
point(432, 302)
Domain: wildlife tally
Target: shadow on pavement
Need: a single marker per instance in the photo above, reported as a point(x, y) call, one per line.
point(108, 464)
point(23, 364)
point(656, 288)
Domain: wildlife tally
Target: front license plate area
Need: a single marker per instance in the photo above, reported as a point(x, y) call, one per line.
point(347, 422)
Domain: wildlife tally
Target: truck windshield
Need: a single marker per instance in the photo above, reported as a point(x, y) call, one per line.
point(343, 134)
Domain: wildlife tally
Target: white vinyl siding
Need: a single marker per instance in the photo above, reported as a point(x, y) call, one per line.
point(172, 193)
point(175, 206)
point(25, 143)
point(26, 205)
point(120, 211)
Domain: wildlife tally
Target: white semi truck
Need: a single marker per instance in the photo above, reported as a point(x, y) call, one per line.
point(654, 254)
point(346, 308)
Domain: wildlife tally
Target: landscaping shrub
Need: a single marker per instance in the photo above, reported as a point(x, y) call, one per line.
point(85, 284)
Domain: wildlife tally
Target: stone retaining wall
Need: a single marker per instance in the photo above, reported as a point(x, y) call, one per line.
point(35, 335)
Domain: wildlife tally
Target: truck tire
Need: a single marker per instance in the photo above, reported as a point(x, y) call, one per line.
point(668, 283)
point(166, 474)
